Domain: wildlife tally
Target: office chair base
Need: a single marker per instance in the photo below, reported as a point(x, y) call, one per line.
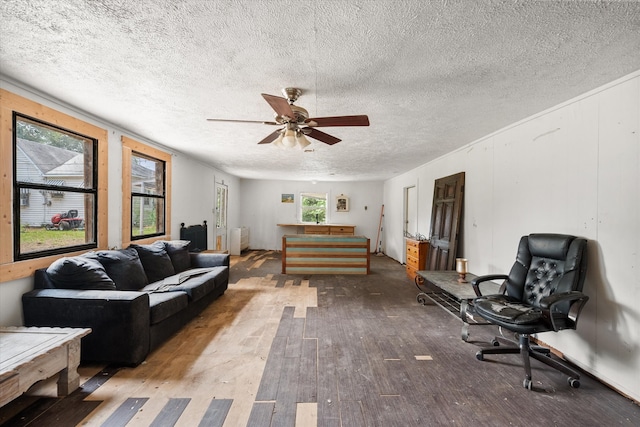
point(527, 351)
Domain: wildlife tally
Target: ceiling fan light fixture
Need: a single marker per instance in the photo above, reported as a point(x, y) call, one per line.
point(302, 141)
point(289, 139)
point(278, 141)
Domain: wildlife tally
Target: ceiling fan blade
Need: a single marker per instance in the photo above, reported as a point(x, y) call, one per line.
point(338, 121)
point(321, 136)
point(271, 137)
point(279, 105)
point(243, 121)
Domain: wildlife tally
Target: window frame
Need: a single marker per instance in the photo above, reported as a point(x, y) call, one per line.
point(11, 268)
point(54, 190)
point(129, 147)
point(304, 194)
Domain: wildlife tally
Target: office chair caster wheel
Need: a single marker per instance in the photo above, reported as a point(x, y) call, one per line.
point(464, 334)
point(574, 382)
point(479, 356)
point(527, 384)
point(422, 298)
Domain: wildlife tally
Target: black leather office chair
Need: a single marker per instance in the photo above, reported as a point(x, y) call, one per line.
point(543, 292)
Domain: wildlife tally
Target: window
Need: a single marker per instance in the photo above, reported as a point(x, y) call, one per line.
point(43, 153)
point(147, 196)
point(145, 206)
point(313, 207)
point(53, 186)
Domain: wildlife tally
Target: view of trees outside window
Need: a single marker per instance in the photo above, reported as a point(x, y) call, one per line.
point(313, 207)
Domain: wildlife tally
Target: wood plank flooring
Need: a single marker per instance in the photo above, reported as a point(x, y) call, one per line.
point(301, 351)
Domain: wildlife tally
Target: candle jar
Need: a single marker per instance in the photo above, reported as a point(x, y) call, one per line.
point(461, 268)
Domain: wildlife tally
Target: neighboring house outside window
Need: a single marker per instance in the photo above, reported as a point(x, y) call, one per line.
point(146, 192)
point(58, 223)
point(147, 196)
point(313, 208)
point(53, 186)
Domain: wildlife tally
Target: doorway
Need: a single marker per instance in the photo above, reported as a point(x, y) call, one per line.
point(222, 196)
point(410, 211)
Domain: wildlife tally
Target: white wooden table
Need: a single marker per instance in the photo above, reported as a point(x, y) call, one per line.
point(28, 355)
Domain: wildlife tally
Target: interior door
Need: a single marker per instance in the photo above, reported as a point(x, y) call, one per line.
point(410, 211)
point(448, 196)
point(220, 240)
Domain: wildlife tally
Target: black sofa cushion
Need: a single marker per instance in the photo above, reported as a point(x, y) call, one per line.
point(79, 272)
point(155, 260)
point(196, 287)
point(178, 251)
point(124, 267)
point(165, 304)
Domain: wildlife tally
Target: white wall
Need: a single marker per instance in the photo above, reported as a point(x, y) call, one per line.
point(572, 169)
point(193, 197)
point(263, 208)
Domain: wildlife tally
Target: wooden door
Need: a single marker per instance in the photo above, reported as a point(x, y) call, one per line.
point(448, 196)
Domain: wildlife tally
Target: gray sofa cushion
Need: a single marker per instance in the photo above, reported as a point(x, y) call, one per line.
point(123, 267)
point(179, 253)
point(155, 260)
point(79, 272)
point(165, 304)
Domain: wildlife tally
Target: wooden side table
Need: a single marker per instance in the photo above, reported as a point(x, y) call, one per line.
point(28, 355)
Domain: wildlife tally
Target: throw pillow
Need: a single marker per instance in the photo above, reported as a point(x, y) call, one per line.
point(79, 272)
point(155, 260)
point(124, 268)
point(179, 253)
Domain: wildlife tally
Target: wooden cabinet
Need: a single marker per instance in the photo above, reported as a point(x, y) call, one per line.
point(416, 256)
point(316, 229)
point(340, 230)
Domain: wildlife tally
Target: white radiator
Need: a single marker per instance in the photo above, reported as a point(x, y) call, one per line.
point(239, 240)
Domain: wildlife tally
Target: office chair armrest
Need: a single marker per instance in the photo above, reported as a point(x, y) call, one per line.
point(576, 299)
point(547, 303)
point(476, 282)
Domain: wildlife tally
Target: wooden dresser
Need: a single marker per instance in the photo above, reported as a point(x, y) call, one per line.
point(416, 256)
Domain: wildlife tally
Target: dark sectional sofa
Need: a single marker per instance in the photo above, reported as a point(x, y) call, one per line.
point(133, 299)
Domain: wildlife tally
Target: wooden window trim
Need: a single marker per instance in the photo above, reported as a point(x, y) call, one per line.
point(10, 102)
point(128, 147)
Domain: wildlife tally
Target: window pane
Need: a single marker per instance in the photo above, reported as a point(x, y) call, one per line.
point(221, 207)
point(147, 216)
point(56, 224)
point(147, 175)
point(52, 156)
point(313, 207)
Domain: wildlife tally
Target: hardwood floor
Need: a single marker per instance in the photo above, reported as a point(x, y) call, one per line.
point(280, 350)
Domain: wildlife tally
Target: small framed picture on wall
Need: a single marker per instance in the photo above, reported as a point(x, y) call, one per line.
point(342, 203)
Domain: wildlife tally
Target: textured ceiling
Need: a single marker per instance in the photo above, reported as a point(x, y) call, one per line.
point(431, 76)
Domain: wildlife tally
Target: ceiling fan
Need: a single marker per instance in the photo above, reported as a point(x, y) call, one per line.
point(296, 122)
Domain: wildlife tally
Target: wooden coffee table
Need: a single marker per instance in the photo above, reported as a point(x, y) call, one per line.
point(28, 355)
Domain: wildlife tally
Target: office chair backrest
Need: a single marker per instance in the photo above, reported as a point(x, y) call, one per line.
point(546, 264)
